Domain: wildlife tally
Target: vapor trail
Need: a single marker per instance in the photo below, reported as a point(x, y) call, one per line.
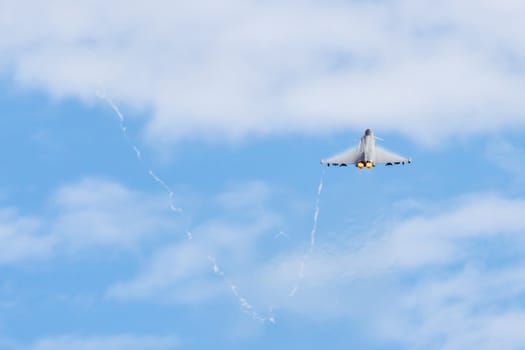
point(243, 302)
point(245, 305)
point(316, 214)
point(137, 151)
point(300, 274)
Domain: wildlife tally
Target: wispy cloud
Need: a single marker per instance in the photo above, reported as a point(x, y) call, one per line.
point(115, 342)
point(96, 212)
point(92, 213)
point(472, 307)
point(21, 237)
point(178, 274)
point(419, 67)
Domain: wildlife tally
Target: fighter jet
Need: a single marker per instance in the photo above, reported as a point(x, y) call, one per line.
point(366, 155)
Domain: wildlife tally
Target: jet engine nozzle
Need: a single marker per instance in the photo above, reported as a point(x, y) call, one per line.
point(360, 165)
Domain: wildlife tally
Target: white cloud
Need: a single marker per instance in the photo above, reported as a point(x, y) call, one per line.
point(91, 213)
point(234, 68)
point(20, 237)
point(115, 342)
point(96, 212)
point(471, 308)
point(179, 274)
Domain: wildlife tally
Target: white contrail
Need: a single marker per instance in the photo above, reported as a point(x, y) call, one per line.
point(245, 305)
point(168, 191)
point(137, 151)
point(316, 215)
point(300, 274)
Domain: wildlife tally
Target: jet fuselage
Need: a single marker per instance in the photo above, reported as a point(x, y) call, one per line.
point(368, 146)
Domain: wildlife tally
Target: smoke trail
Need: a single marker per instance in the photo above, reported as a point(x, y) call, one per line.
point(137, 151)
point(245, 305)
point(300, 274)
point(316, 214)
point(168, 191)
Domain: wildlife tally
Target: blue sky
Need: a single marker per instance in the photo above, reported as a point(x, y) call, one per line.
point(232, 105)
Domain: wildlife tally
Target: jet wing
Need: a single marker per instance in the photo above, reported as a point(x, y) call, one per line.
point(351, 156)
point(386, 157)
